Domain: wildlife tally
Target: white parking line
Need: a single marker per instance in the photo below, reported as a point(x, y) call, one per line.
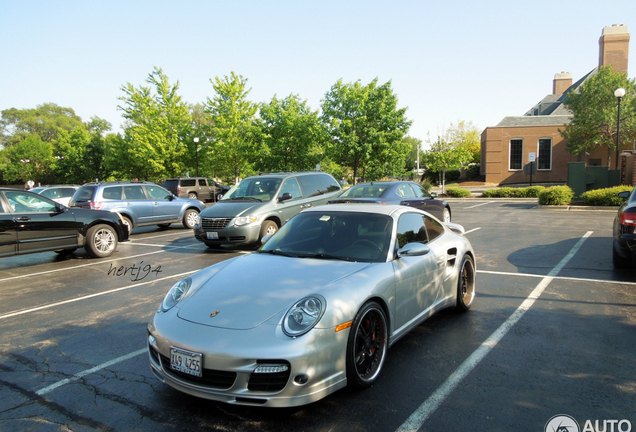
point(479, 205)
point(472, 230)
point(419, 417)
point(80, 375)
point(48, 306)
point(530, 275)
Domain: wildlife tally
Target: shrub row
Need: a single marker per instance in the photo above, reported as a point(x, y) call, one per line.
point(456, 192)
point(605, 197)
point(556, 195)
point(508, 192)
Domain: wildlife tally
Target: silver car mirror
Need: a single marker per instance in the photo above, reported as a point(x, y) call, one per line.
point(413, 249)
point(456, 228)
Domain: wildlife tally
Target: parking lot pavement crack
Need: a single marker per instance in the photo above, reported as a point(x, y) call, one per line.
point(52, 406)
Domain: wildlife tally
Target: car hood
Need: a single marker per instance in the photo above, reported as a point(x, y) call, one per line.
point(230, 209)
point(252, 289)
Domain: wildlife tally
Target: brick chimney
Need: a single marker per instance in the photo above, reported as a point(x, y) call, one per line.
point(614, 48)
point(562, 82)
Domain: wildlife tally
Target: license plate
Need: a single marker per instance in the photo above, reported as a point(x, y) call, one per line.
point(186, 361)
point(213, 235)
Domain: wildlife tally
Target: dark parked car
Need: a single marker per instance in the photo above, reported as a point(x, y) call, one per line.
point(202, 188)
point(398, 192)
point(624, 248)
point(139, 203)
point(31, 223)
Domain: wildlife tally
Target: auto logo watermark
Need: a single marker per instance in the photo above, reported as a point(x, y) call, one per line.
point(562, 423)
point(566, 423)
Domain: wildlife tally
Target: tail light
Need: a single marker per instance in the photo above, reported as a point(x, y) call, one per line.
point(96, 205)
point(179, 190)
point(628, 218)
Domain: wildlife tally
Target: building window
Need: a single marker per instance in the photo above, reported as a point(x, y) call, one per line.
point(516, 154)
point(545, 154)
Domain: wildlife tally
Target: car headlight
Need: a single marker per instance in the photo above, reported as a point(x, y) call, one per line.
point(304, 315)
point(175, 294)
point(244, 220)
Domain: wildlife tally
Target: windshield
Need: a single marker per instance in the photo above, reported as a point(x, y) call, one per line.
point(349, 236)
point(364, 191)
point(253, 189)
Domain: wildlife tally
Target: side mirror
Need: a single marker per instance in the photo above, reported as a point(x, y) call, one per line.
point(172, 197)
point(413, 249)
point(61, 208)
point(624, 194)
point(285, 197)
point(433, 194)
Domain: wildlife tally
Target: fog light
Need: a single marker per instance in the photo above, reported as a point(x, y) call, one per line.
point(301, 379)
point(270, 368)
point(152, 341)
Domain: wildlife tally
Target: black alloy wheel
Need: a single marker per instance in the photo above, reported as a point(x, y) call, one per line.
point(367, 346)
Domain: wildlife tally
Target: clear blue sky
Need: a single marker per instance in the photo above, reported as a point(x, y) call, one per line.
point(447, 60)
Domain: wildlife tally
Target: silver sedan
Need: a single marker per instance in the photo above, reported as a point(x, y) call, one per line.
point(314, 309)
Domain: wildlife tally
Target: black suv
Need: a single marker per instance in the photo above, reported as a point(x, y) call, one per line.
point(260, 205)
point(201, 188)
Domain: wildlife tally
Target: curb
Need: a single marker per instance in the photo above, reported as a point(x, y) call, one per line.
point(608, 209)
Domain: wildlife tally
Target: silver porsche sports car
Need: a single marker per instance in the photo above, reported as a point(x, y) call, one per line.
point(314, 309)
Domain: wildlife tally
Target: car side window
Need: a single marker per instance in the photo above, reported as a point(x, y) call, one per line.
point(112, 193)
point(291, 186)
point(157, 193)
point(310, 185)
point(434, 228)
point(202, 182)
point(29, 203)
point(419, 191)
point(411, 229)
point(328, 183)
point(188, 182)
point(67, 192)
point(134, 193)
point(50, 193)
point(404, 191)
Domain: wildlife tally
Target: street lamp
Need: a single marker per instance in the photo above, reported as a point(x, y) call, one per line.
point(196, 143)
point(619, 93)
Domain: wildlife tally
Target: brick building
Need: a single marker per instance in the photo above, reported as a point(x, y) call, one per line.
point(507, 147)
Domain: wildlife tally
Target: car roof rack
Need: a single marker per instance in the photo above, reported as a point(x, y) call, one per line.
point(287, 172)
point(118, 182)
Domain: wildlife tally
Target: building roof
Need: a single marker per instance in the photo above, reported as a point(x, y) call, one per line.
point(550, 111)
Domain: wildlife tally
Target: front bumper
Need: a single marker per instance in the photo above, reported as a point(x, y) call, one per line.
point(237, 235)
point(316, 360)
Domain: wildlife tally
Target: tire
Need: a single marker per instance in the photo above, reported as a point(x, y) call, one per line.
point(192, 195)
point(164, 226)
point(101, 241)
point(367, 346)
point(466, 284)
point(446, 215)
point(268, 227)
point(190, 218)
point(619, 261)
point(128, 223)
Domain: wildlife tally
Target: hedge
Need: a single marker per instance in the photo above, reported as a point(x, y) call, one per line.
point(508, 192)
point(556, 195)
point(456, 192)
point(605, 197)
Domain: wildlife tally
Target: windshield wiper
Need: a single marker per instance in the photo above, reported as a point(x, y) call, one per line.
point(277, 252)
point(246, 199)
point(324, 256)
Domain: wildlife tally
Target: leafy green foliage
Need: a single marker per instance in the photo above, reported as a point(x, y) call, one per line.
point(233, 129)
point(156, 129)
point(509, 192)
point(595, 111)
point(366, 128)
point(29, 159)
point(456, 192)
point(291, 137)
point(606, 197)
point(556, 195)
point(446, 156)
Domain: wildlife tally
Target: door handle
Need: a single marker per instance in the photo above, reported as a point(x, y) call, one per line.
point(23, 219)
point(441, 260)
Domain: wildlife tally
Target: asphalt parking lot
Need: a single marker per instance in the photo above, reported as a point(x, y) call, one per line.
point(552, 331)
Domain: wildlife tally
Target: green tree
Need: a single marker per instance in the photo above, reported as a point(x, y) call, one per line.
point(232, 130)
point(465, 135)
point(80, 156)
point(29, 159)
point(157, 128)
point(291, 135)
point(445, 156)
point(45, 121)
point(595, 110)
point(366, 128)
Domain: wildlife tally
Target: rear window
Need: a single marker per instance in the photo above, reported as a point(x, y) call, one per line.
point(171, 184)
point(84, 193)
